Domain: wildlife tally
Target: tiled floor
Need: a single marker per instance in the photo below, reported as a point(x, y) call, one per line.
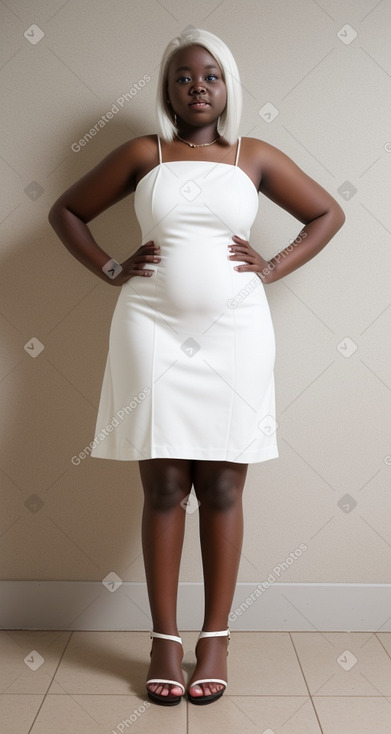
point(61, 682)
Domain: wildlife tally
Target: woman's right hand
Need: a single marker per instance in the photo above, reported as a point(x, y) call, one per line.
point(134, 265)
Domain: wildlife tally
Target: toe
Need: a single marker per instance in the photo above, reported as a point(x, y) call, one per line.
point(196, 691)
point(165, 689)
point(205, 689)
point(176, 691)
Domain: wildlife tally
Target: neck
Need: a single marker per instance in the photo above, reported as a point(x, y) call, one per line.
point(198, 135)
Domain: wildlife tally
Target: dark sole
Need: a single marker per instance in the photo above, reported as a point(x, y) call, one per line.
point(163, 700)
point(203, 700)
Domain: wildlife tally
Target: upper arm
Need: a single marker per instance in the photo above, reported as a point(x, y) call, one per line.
point(287, 185)
point(109, 182)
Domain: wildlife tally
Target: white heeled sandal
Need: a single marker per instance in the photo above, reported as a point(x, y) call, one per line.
point(202, 700)
point(156, 697)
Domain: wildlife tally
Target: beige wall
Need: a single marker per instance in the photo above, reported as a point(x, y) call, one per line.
point(333, 409)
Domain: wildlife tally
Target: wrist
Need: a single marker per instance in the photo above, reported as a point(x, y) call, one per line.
point(112, 268)
point(266, 275)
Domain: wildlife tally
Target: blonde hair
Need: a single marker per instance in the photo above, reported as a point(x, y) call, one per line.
point(229, 120)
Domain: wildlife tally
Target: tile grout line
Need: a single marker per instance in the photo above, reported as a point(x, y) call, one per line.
point(306, 683)
point(46, 693)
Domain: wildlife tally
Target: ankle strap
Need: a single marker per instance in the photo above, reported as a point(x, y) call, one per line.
point(222, 633)
point(165, 637)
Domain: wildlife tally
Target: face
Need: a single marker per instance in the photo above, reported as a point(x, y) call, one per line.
point(195, 86)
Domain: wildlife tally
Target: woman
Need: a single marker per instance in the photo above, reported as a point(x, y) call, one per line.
point(188, 388)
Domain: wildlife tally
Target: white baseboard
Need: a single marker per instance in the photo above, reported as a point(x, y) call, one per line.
point(91, 605)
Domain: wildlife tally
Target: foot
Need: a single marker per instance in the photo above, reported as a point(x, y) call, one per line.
point(211, 655)
point(165, 663)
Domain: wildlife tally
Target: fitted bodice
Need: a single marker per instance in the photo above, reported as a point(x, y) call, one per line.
point(180, 198)
point(192, 209)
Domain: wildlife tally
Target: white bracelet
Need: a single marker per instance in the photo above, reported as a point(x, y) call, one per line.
point(112, 269)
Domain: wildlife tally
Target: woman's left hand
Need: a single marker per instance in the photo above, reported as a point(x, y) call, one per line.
point(241, 250)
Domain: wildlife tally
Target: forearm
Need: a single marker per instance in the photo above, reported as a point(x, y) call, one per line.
point(77, 238)
point(311, 240)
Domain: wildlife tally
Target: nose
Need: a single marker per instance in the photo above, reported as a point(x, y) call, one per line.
point(198, 88)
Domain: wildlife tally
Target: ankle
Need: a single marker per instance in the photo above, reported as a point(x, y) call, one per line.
point(215, 626)
point(166, 629)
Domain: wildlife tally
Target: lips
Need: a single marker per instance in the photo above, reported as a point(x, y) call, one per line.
point(199, 103)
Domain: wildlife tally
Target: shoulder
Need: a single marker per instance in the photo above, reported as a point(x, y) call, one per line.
point(262, 152)
point(132, 159)
point(259, 158)
point(268, 161)
point(139, 151)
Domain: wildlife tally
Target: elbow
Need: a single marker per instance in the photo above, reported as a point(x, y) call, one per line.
point(54, 213)
point(57, 214)
point(335, 216)
point(52, 216)
point(339, 215)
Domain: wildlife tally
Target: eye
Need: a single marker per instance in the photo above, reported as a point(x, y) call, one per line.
point(211, 77)
point(183, 79)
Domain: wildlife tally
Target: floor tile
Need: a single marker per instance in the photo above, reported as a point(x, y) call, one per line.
point(255, 715)
point(102, 714)
point(18, 711)
point(103, 663)
point(354, 715)
point(94, 683)
point(344, 663)
point(385, 640)
point(264, 664)
point(29, 659)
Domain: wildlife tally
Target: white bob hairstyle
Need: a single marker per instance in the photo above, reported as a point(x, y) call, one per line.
point(229, 120)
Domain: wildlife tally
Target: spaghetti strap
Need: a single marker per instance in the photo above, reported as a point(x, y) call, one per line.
point(160, 149)
point(237, 151)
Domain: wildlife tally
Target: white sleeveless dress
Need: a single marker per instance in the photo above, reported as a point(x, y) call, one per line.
point(189, 373)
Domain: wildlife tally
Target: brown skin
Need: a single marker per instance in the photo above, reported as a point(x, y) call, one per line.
point(218, 485)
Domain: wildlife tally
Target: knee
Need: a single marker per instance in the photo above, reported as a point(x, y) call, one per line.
point(165, 495)
point(221, 495)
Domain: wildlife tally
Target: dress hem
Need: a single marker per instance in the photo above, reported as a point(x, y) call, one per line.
point(238, 457)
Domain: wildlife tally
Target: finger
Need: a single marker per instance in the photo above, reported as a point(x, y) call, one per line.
point(149, 244)
point(240, 240)
point(138, 267)
point(143, 272)
point(135, 260)
point(152, 258)
point(241, 250)
point(246, 268)
point(248, 257)
point(148, 247)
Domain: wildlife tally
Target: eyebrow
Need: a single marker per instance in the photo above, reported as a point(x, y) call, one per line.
point(187, 68)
